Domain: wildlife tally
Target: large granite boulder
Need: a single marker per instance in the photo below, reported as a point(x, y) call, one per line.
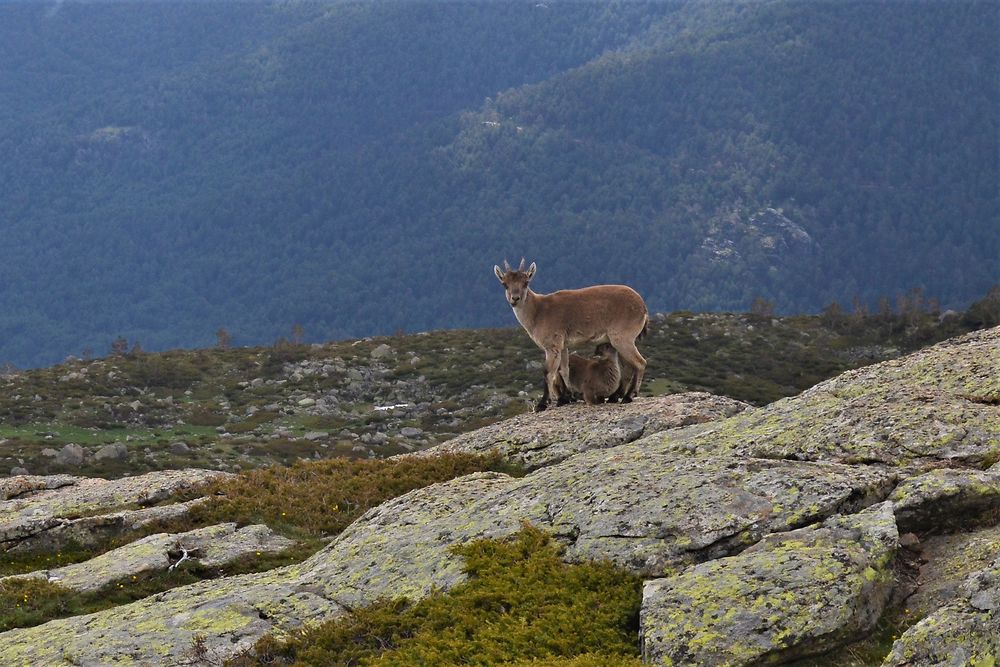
point(947, 560)
point(539, 439)
point(947, 498)
point(654, 511)
point(212, 546)
point(964, 632)
point(938, 406)
point(41, 515)
point(791, 594)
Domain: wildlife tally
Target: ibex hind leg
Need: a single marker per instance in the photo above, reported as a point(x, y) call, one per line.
point(629, 355)
point(627, 373)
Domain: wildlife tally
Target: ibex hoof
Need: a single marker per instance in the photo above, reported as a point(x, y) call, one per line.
point(541, 406)
point(626, 399)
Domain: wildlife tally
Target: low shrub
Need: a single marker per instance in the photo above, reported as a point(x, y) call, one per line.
point(317, 498)
point(521, 605)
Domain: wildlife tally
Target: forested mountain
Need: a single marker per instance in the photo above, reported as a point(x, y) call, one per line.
point(357, 168)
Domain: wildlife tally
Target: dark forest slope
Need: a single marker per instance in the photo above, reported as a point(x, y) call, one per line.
point(174, 168)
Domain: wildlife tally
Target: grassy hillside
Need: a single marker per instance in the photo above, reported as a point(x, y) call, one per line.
point(241, 408)
point(175, 169)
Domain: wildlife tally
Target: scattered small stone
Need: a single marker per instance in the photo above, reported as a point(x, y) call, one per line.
point(70, 455)
point(17, 470)
point(411, 432)
point(307, 402)
point(115, 452)
point(49, 452)
point(315, 435)
point(179, 448)
point(382, 351)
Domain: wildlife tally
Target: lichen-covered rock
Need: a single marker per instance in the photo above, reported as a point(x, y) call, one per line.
point(790, 595)
point(212, 546)
point(220, 545)
point(948, 560)
point(965, 632)
point(401, 548)
point(941, 404)
point(652, 511)
point(94, 531)
point(540, 439)
point(946, 498)
point(229, 613)
point(648, 512)
point(48, 516)
point(637, 508)
point(19, 485)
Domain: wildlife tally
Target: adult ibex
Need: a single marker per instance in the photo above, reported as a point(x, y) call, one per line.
point(613, 314)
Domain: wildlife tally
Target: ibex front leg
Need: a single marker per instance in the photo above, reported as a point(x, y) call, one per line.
point(553, 361)
point(564, 384)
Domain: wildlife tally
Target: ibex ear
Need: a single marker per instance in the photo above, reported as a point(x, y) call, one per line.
point(531, 271)
point(496, 270)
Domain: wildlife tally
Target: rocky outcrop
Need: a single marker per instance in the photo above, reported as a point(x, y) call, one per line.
point(767, 535)
point(20, 485)
point(654, 512)
point(637, 508)
point(963, 632)
point(212, 546)
point(947, 498)
point(541, 439)
point(40, 514)
point(401, 548)
point(947, 561)
point(939, 406)
point(789, 595)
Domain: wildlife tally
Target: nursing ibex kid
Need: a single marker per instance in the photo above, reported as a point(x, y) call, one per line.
point(594, 378)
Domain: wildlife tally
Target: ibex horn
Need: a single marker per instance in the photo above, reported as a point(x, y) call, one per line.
point(521, 267)
point(506, 266)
